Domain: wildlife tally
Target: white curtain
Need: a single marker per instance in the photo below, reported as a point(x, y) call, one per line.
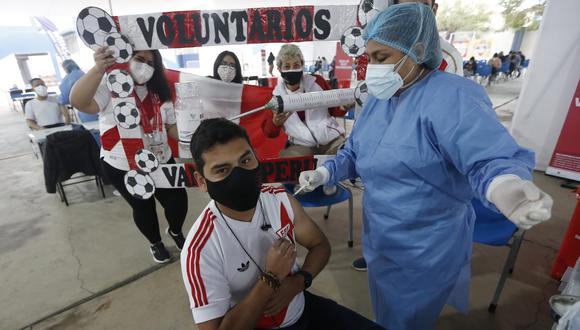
point(550, 81)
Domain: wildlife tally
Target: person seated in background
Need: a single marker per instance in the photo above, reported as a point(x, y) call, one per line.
point(310, 132)
point(44, 111)
point(239, 262)
point(227, 68)
point(470, 68)
point(495, 63)
point(73, 73)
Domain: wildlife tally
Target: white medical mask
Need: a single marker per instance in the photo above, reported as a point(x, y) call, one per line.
point(384, 80)
point(227, 73)
point(141, 72)
point(41, 90)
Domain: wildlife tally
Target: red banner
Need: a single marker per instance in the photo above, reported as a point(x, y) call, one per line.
point(565, 161)
point(195, 28)
point(274, 170)
point(342, 64)
point(570, 249)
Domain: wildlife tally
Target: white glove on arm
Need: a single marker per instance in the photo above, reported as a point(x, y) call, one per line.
point(521, 201)
point(313, 179)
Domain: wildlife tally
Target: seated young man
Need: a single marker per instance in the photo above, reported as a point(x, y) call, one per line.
point(239, 259)
point(44, 111)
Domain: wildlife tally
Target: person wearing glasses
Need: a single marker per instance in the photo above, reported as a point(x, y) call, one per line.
point(227, 68)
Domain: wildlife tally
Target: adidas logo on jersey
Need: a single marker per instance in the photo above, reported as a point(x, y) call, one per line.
point(244, 266)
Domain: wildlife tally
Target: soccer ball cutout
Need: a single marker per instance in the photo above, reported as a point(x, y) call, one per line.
point(352, 41)
point(126, 115)
point(367, 10)
point(139, 185)
point(121, 47)
point(93, 25)
point(361, 93)
point(146, 161)
point(120, 83)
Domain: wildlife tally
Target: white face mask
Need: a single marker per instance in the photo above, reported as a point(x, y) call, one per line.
point(383, 80)
point(141, 72)
point(41, 90)
point(226, 73)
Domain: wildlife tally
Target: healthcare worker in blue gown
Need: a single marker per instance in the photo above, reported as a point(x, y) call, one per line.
point(425, 144)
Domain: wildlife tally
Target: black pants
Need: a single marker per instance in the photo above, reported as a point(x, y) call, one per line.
point(322, 314)
point(174, 202)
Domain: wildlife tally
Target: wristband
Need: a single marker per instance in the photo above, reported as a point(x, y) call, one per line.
point(271, 280)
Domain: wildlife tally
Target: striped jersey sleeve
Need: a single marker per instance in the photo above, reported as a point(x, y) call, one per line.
point(202, 271)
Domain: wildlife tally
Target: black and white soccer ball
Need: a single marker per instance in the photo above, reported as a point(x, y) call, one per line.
point(352, 41)
point(126, 115)
point(93, 25)
point(120, 83)
point(121, 47)
point(146, 160)
point(367, 10)
point(361, 92)
point(139, 184)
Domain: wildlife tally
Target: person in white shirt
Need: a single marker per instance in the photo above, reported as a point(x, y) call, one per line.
point(44, 111)
point(153, 97)
point(239, 262)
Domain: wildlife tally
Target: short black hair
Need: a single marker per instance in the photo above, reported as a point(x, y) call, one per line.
point(218, 61)
point(35, 79)
point(211, 132)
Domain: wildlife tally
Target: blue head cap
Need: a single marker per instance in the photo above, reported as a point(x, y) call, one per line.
point(409, 28)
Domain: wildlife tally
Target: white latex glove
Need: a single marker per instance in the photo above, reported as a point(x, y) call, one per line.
point(313, 179)
point(521, 201)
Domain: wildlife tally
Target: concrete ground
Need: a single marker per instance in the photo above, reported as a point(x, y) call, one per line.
point(87, 267)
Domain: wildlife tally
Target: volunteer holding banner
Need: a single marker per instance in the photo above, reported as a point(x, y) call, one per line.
point(425, 143)
point(91, 95)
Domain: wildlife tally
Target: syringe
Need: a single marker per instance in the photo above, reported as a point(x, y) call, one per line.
point(305, 101)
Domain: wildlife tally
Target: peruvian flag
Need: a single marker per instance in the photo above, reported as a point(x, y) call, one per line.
point(221, 99)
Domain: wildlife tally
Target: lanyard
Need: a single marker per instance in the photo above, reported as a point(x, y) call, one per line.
point(155, 104)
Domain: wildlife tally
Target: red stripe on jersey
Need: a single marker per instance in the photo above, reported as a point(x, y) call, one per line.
point(285, 221)
point(190, 253)
point(201, 295)
point(198, 271)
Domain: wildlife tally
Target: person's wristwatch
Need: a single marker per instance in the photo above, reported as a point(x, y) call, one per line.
point(307, 278)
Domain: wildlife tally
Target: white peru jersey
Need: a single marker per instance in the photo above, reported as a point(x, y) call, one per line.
point(216, 270)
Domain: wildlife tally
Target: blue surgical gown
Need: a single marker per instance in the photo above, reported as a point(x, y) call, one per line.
point(422, 157)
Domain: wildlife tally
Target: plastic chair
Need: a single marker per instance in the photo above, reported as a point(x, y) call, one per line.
point(494, 229)
point(349, 115)
point(317, 198)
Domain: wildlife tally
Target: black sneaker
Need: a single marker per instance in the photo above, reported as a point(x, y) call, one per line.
point(360, 264)
point(178, 239)
point(160, 254)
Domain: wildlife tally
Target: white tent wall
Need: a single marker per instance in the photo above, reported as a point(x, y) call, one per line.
point(550, 81)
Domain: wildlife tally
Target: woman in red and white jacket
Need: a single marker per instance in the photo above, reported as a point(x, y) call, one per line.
point(312, 131)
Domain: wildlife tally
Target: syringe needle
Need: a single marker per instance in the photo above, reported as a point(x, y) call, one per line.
point(247, 113)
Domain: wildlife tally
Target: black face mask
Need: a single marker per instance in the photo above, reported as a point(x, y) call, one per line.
point(239, 191)
point(292, 77)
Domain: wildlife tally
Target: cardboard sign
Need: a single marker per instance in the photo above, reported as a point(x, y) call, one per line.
point(195, 28)
point(276, 170)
